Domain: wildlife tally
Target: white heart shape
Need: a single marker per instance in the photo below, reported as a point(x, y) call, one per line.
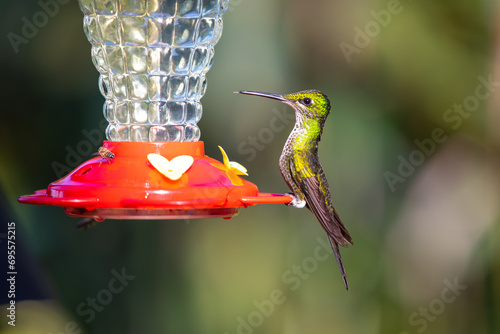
point(172, 169)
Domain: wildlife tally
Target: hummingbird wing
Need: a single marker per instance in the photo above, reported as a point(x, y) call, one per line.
point(309, 176)
point(336, 251)
point(311, 180)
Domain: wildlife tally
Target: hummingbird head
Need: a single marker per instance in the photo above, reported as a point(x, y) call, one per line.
point(308, 104)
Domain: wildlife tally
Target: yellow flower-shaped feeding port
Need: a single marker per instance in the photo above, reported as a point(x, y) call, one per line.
point(233, 166)
point(173, 169)
point(233, 169)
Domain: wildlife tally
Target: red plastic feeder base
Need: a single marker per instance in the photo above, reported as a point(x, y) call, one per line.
point(129, 187)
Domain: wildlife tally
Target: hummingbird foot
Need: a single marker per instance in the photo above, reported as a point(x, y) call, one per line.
point(297, 202)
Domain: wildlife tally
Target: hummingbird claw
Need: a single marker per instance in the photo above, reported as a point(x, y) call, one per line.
point(297, 202)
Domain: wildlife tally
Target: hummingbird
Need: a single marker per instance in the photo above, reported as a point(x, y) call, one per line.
point(300, 166)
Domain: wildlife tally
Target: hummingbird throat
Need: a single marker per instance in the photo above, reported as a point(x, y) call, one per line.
point(306, 134)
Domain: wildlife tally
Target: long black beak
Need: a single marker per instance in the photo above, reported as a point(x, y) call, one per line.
point(268, 95)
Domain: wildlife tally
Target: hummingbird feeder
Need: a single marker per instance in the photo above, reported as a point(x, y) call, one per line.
point(153, 57)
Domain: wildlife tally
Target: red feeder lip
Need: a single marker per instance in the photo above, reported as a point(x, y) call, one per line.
point(129, 187)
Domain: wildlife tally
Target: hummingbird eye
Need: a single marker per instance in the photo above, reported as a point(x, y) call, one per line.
point(307, 101)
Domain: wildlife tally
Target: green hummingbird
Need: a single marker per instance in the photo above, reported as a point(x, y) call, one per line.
point(300, 167)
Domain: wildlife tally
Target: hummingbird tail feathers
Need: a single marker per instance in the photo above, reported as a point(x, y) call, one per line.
point(336, 251)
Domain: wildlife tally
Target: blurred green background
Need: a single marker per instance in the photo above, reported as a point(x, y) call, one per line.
point(411, 150)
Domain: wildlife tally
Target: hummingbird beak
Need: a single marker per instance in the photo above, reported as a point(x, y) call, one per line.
point(268, 95)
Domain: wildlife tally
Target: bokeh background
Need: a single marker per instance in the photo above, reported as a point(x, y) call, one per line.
point(411, 150)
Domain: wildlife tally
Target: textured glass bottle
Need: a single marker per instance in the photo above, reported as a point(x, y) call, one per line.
point(152, 56)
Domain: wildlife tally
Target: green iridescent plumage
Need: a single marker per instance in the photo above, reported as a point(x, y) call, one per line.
point(300, 166)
